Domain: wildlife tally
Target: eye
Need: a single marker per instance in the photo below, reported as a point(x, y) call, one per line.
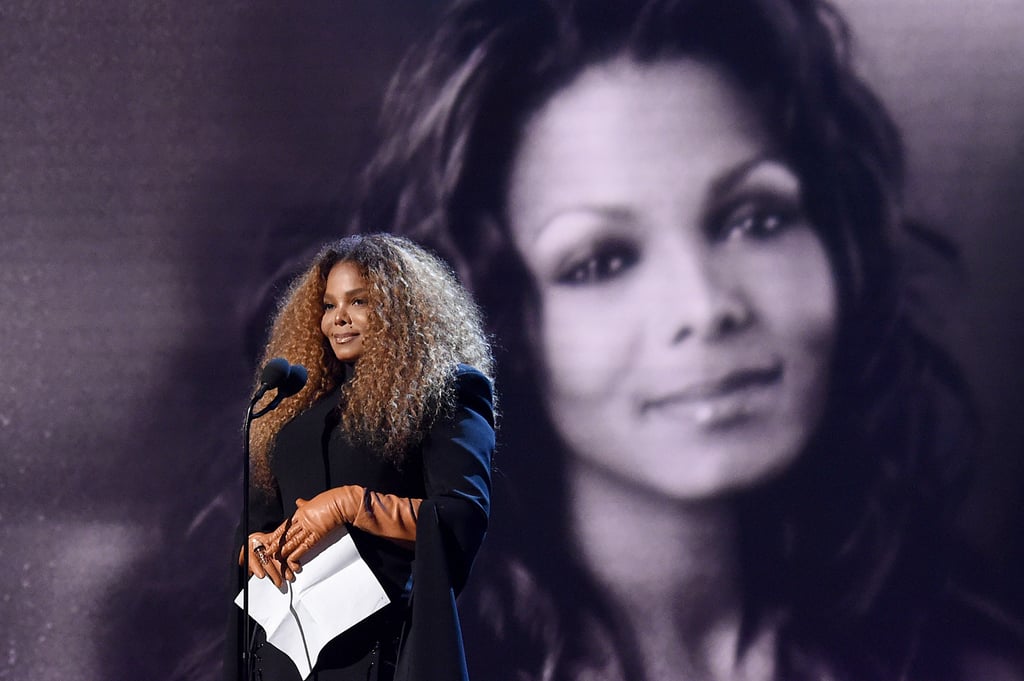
point(606, 260)
point(328, 306)
point(757, 219)
point(359, 301)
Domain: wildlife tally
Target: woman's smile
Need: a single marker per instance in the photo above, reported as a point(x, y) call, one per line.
point(344, 337)
point(732, 398)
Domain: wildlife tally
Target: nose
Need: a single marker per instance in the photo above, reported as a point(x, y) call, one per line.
point(340, 315)
point(705, 300)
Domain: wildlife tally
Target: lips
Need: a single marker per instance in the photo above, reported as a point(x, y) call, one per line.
point(732, 384)
point(342, 338)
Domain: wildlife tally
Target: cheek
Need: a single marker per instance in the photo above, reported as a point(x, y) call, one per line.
point(793, 291)
point(813, 311)
point(360, 318)
point(585, 344)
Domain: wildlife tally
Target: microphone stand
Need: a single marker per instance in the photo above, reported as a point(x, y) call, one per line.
point(246, 625)
point(288, 380)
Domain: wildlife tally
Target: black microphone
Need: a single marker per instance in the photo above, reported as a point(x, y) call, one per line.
point(287, 378)
point(293, 382)
point(274, 373)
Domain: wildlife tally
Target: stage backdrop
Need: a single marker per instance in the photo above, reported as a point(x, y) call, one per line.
point(160, 160)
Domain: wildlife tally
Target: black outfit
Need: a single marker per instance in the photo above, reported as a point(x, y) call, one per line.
point(450, 469)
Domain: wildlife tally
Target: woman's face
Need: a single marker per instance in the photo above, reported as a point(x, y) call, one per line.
point(346, 312)
point(687, 308)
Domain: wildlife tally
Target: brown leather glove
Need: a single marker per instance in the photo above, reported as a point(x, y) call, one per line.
point(262, 552)
point(384, 515)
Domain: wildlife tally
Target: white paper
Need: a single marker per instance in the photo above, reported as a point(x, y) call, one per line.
point(335, 590)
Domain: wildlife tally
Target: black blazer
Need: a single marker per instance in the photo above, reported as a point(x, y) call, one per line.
point(451, 470)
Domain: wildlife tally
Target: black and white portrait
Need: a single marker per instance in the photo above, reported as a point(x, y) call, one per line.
point(749, 269)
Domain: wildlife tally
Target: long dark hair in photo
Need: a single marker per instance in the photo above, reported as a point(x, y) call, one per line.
point(851, 543)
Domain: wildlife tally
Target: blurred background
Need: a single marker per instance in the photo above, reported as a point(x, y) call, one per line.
point(159, 161)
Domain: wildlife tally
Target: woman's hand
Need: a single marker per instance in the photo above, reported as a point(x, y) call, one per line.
point(315, 519)
point(383, 515)
point(264, 558)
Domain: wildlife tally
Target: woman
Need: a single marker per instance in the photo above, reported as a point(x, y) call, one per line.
point(391, 437)
point(684, 219)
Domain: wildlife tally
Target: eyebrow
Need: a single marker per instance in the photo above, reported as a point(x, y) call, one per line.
point(731, 178)
point(613, 212)
point(348, 294)
point(724, 183)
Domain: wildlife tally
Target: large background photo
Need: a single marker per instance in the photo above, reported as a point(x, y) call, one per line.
point(162, 161)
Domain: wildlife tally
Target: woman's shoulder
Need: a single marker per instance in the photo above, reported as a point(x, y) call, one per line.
point(467, 413)
point(462, 370)
point(471, 381)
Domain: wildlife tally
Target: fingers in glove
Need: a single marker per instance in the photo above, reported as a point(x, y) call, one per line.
point(274, 571)
point(258, 555)
point(275, 539)
point(247, 547)
point(293, 557)
point(292, 561)
point(256, 566)
point(288, 554)
point(298, 539)
point(298, 543)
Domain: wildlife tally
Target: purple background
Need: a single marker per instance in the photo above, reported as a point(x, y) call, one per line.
point(159, 159)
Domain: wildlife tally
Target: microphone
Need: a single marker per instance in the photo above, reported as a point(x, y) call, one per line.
point(287, 378)
point(274, 373)
point(293, 382)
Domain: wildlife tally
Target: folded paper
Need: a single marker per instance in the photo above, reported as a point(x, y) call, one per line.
point(334, 591)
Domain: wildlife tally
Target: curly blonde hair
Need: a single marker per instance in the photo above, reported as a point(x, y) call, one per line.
point(422, 323)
